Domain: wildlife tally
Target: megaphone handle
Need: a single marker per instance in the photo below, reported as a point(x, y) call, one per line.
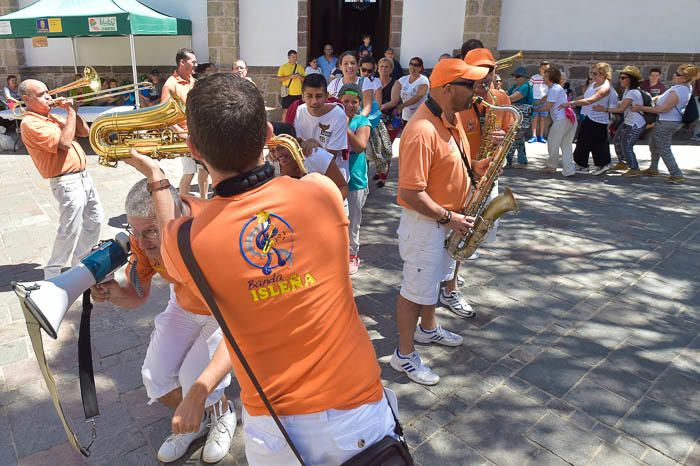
point(87, 376)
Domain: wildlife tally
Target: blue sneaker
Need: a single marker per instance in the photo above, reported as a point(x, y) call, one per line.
point(541, 139)
point(532, 139)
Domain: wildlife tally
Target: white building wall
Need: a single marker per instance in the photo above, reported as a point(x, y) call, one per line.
point(431, 28)
point(268, 29)
point(155, 51)
point(601, 25)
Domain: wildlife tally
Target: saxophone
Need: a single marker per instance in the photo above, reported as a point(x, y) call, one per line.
point(490, 120)
point(461, 246)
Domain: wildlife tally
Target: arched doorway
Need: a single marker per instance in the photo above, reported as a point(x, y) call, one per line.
point(343, 22)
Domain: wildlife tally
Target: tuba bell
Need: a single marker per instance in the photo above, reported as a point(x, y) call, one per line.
point(148, 131)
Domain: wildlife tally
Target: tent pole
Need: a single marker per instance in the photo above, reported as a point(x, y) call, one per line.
point(133, 70)
point(75, 55)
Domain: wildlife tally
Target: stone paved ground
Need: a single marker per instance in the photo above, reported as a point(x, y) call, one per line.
point(585, 349)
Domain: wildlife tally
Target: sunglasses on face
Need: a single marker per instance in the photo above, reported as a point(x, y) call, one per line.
point(624, 78)
point(414, 64)
point(367, 70)
point(678, 74)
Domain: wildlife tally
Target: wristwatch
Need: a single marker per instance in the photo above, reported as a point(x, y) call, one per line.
point(158, 185)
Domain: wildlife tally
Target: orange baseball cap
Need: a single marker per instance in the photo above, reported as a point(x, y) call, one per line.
point(450, 69)
point(480, 57)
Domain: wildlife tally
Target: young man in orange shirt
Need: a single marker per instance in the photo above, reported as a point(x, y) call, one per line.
point(274, 251)
point(434, 182)
point(180, 84)
point(51, 142)
point(186, 340)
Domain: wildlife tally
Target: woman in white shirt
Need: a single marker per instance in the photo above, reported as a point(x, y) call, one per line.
point(414, 89)
point(670, 107)
point(593, 135)
point(348, 63)
point(628, 134)
point(561, 133)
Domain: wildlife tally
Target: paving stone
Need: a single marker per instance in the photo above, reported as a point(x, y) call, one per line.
point(637, 360)
point(41, 413)
point(662, 428)
point(564, 439)
point(582, 348)
point(598, 402)
point(554, 372)
point(655, 458)
point(115, 342)
point(127, 376)
point(445, 448)
point(63, 454)
point(13, 351)
point(140, 457)
point(606, 433)
point(619, 381)
point(610, 455)
point(497, 338)
point(677, 391)
point(631, 446)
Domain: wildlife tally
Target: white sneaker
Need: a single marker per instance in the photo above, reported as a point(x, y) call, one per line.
point(176, 445)
point(601, 170)
point(582, 170)
point(220, 436)
point(438, 335)
point(456, 303)
point(414, 368)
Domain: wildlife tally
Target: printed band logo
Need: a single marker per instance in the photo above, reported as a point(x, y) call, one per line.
point(266, 242)
point(325, 133)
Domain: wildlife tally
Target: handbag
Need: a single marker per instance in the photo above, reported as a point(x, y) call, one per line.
point(284, 90)
point(386, 452)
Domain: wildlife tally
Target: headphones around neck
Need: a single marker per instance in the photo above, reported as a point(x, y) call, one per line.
point(238, 184)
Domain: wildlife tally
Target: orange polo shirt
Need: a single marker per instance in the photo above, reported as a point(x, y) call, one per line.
point(147, 267)
point(41, 135)
point(180, 87)
point(430, 159)
point(472, 126)
point(278, 269)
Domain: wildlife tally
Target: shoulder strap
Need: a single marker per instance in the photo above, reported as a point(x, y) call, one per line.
point(183, 241)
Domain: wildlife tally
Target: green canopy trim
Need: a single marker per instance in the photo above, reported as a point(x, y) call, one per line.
point(71, 18)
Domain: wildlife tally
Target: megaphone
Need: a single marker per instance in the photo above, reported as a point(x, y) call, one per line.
point(49, 300)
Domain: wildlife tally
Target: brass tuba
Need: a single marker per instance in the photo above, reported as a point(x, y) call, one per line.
point(148, 130)
point(507, 62)
point(461, 247)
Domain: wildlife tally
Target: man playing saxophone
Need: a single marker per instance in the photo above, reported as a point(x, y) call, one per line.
point(484, 129)
point(435, 175)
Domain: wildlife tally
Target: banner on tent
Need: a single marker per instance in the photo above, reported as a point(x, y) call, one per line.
point(102, 24)
point(5, 28)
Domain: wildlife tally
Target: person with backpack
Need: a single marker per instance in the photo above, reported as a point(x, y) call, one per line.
point(520, 94)
point(634, 123)
point(674, 111)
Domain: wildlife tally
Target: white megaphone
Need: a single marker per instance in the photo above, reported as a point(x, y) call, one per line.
point(49, 300)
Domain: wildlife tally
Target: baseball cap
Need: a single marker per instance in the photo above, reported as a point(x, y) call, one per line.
point(480, 57)
point(521, 71)
point(155, 72)
point(451, 69)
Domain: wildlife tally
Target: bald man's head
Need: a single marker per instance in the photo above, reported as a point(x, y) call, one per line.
point(35, 94)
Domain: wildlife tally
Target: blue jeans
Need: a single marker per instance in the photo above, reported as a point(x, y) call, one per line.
point(518, 145)
point(625, 139)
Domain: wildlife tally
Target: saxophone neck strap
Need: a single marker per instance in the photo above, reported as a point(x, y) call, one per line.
point(238, 184)
point(436, 110)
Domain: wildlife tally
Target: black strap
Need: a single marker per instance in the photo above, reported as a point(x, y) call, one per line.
point(436, 110)
point(183, 241)
point(87, 376)
point(289, 83)
point(245, 181)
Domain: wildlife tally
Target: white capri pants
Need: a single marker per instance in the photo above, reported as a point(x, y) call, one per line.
point(328, 438)
point(188, 166)
point(425, 260)
point(182, 344)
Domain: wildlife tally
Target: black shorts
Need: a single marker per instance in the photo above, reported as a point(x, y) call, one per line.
point(287, 101)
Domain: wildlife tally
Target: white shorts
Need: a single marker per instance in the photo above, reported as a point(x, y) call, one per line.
point(188, 166)
point(326, 438)
point(182, 344)
point(425, 259)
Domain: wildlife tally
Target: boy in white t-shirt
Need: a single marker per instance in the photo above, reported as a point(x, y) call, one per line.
point(320, 123)
point(539, 92)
